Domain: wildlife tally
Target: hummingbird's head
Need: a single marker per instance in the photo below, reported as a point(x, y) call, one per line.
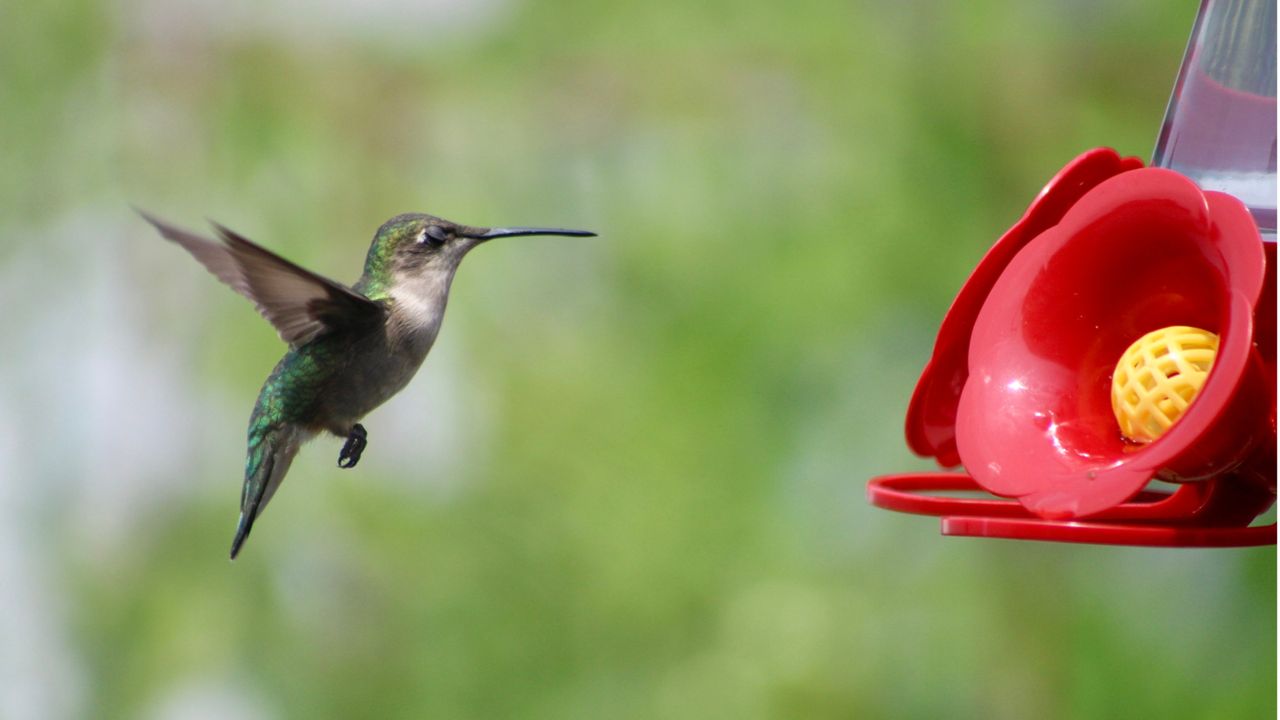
point(415, 245)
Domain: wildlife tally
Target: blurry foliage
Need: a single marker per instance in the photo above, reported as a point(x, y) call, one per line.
point(654, 501)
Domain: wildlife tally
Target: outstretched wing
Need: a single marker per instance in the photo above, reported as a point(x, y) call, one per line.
point(299, 303)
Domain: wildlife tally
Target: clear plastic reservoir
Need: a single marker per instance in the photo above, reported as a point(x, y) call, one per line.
point(1220, 127)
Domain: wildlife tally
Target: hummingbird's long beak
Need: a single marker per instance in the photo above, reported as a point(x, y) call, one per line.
point(491, 233)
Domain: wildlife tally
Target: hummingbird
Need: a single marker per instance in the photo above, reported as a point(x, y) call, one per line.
point(350, 347)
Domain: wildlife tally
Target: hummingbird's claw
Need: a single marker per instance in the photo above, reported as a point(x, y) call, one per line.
point(356, 442)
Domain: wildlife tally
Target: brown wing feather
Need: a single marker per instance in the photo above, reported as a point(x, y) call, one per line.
point(299, 303)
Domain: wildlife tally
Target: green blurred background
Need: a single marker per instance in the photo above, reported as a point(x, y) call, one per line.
point(629, 481)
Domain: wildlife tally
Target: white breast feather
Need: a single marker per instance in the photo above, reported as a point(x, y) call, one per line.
point(419, 304)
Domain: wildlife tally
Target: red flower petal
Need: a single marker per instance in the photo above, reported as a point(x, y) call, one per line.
point(931, 416)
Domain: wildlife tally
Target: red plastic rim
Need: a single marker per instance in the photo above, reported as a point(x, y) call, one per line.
point(909, 493)
point(994, 517)
point(1108, 533)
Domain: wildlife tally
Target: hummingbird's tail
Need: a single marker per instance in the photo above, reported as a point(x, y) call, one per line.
point(271, 451)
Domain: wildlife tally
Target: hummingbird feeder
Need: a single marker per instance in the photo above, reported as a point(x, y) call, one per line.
point(1123, 331)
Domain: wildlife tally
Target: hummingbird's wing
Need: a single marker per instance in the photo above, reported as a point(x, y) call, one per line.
point(299, 303)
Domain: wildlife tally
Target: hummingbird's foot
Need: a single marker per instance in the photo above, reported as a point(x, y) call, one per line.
point(356, 442)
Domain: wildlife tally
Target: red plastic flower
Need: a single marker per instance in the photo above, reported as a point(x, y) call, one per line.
point(931, 417)
point(1018, 388)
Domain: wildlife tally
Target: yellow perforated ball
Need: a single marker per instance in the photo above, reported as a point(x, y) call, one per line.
point(1158, 377)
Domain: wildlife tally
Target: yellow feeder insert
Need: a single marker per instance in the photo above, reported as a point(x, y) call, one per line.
point(1158, 377)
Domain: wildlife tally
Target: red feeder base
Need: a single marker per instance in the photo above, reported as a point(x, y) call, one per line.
point(1151, 518)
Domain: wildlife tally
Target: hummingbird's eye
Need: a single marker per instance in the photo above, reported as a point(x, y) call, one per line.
point(433, 235)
